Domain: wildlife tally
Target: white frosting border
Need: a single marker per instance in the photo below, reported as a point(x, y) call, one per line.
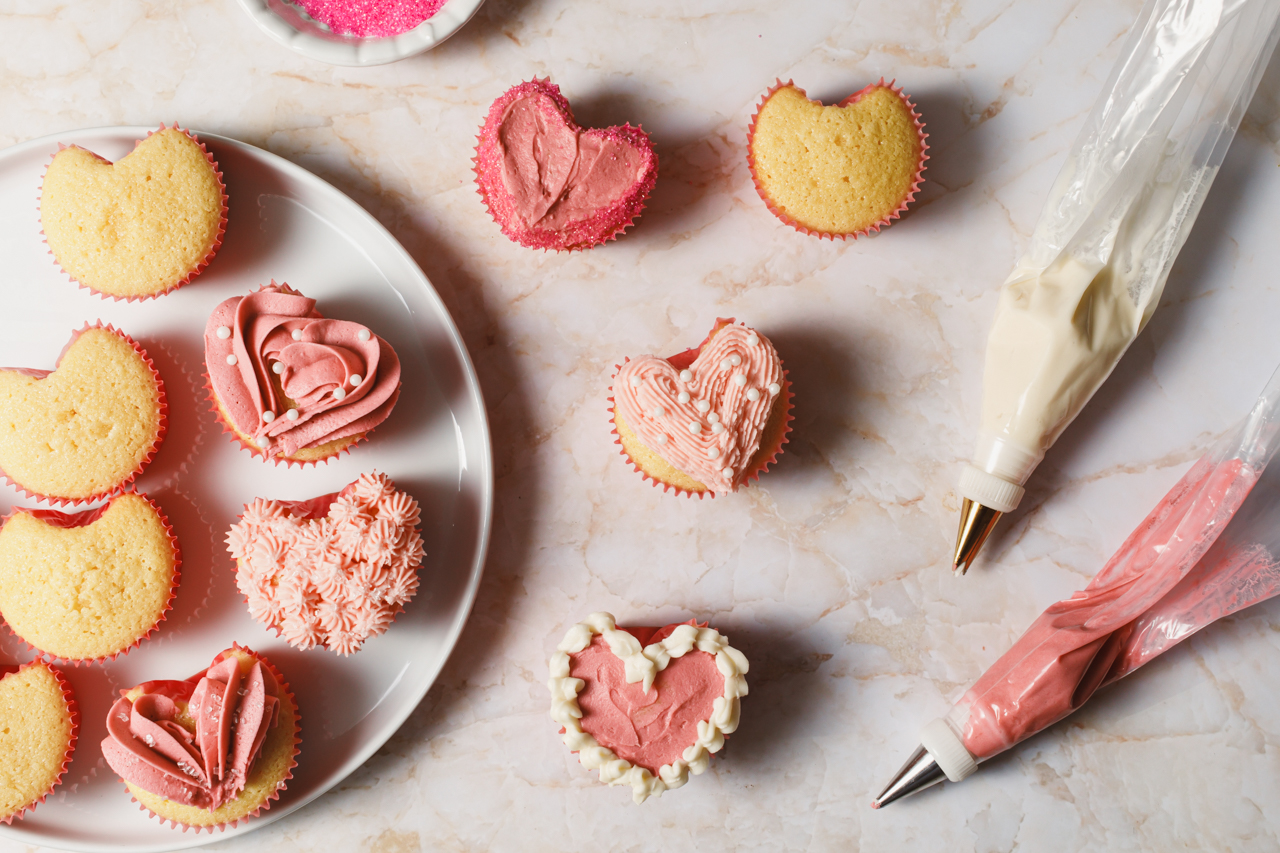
point(644, 664)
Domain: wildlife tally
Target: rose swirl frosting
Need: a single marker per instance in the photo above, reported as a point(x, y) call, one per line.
point(149, 748)
point(289, 379)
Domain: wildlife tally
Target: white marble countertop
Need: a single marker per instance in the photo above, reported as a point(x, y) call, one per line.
point(833, 573)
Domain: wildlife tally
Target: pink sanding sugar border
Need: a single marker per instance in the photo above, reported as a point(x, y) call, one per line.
point(371, 18)
point(604, 225)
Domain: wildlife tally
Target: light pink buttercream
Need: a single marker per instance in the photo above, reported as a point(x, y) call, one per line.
point(653, 411)
point(148, 748)
point(332, 571)
point(318, 357)
point(651, 729)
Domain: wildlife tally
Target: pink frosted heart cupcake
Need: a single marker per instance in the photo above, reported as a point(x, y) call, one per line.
point(551, 184)
point(707, 420)
point(645, 707)
point(290, 385)
point(332, 571)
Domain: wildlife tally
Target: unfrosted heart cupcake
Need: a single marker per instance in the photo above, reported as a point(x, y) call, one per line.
point(210, 751)
point(646, 707)
point(85, 429)
point(707, 420)
point(140, 227)
point(332, 571)
point(90, 585)
point(39, 724)
point(551, 184)
point(837, 171)
point(290, 385)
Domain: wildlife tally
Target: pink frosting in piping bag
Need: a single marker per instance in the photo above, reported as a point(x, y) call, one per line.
point(342, 378)
point(148, 748)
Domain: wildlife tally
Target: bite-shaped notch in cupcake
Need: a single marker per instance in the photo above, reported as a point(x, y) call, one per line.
point(841, 170)
point(39, 724)
point(646, 707)
point(209, 751)
point(709, 419)
point(140, 227)
point(291, 385)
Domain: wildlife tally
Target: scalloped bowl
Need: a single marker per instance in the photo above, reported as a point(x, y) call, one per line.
point(293, 28)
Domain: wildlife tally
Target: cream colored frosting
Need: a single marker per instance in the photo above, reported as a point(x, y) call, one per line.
point(643, 665)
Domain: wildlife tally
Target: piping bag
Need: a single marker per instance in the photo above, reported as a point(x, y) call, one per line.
point(1203, 553)
point(1117, 215)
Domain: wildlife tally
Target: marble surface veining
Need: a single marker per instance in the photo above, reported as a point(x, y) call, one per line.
point(832, 574)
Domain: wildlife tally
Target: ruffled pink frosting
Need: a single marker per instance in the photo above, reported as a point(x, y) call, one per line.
point(148, 748)
point(341, 378)
point(714, 431)
point(332, 571)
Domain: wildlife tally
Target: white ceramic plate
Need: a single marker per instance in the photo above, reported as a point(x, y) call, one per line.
point(287, 24)
point(283, 223)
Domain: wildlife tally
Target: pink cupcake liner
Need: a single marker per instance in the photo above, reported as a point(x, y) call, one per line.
point(682, 360)
point(84, 518)
point(162, 403)
point(852, 99)
point(73, 709)
point(489, 185)
point(213, 250)
point(293, 758)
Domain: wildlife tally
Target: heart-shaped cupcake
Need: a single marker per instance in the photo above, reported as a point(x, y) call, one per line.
point(646, 706)
point(139, 227)
point(85, 429)
point(551, 184)
point(331, 571)
point(837, 171)
point(39, 723)
point(706, 420)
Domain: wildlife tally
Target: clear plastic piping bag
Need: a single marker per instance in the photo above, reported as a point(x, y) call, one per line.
point(1117, 215)
point(1210, 548)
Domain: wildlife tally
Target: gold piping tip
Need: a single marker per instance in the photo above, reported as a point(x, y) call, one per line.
point(976, 523)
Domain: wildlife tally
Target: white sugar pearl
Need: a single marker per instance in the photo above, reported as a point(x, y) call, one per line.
point(725, 364)
point(297, 334)
point(774, 387)
point(717, 428)
point(264, 441)
point(662, 439)
point(735, 359)
point(268, 416)
point(364, 334)
point(695, 427)
point(355, 379)
point(739, 380)
point(703, 406)
point(231, 359)
point(728, 473)
point(659, 412)
point(635, 381)
point(753, 394)
point(224, 332)
point(291, 415)
point(713, 418)
point(683, 396)
point(713, 452)
point(277, 368)
point(339, 393)
point(686, 375)
point(752, 339)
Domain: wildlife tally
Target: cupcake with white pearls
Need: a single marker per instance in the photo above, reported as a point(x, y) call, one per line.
point(707, 420)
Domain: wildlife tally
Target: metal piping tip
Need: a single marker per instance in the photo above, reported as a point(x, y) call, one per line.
point(920, 771)
point(976, 523)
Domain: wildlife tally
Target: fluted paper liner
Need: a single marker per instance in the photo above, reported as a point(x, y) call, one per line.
point(764, 456)
point(73, 710)
point(910, 196)
point(199, 267)
point(162, 404)
point(489, 183)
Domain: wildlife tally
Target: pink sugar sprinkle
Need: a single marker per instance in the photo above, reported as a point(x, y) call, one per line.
point(371, 17)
